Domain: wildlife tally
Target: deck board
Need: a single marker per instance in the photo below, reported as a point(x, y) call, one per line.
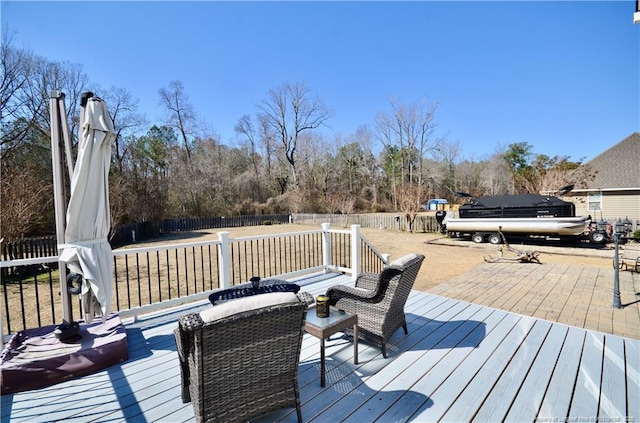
point(632, 361)
point(612, 393)
point(478, 386)
point(499, 325)
point(586, 396)
point(531, 392)
point(459, 361)
point(557, 397)
point(497, 404)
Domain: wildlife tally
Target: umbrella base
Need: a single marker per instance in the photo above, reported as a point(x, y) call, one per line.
point(35, 358)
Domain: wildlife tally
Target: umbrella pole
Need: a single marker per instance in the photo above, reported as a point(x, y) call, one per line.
point(57, 146)
point(66, 138)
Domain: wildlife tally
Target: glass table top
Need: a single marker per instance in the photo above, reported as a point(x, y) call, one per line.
point(335, 316)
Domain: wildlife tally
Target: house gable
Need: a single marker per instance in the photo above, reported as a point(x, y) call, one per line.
point(618, 167)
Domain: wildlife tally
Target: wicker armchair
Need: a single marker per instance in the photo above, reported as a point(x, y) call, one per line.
point(379, 299)
point(239, 360)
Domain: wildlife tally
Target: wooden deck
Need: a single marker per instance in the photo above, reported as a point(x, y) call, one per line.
point(460, 362)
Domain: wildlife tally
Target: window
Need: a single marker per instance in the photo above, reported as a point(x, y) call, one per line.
point(595, 200)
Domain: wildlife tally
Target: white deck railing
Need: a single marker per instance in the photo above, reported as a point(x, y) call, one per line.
point(159, 276)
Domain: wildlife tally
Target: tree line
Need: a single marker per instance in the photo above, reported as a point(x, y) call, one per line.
point(280, 160)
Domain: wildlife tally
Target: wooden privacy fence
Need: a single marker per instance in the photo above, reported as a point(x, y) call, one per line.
point(422, 223)
point(197, 223)
point(132, 232)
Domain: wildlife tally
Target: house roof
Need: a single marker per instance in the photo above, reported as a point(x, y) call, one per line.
point(619, 166)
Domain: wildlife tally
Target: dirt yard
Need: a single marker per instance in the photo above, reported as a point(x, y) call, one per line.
point(442, 262)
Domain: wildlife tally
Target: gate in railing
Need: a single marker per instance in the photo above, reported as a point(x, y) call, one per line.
point(154, 277)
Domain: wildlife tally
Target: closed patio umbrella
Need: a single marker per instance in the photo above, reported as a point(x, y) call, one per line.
point(88, 220)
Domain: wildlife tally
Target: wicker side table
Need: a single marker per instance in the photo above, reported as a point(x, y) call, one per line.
point(324, 327)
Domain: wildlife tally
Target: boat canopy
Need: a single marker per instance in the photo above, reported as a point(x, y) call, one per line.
point(523, 205)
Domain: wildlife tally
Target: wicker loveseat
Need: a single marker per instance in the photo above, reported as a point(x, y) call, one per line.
point(379, 298)
point(239, 360)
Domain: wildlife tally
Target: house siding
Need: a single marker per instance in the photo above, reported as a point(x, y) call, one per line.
point(623, 205)
point(581, 205)
point(615, 205)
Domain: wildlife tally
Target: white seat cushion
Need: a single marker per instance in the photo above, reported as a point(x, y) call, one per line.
point(401, 261)
point(240, 305)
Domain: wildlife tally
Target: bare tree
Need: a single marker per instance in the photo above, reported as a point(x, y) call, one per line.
point(411, 129)
point(470, 176)
point(387, 135)
point(22, 190)
point(290, 111)
point(246, 128)
point(411, 196)
point(417, 123)
point(369, 171)
point(556, 172)
point(407, 132)
point(15, 68)
point(123, 109)
point(496, 178)
point(181, 114)
point(448, 155)
point(27, 83)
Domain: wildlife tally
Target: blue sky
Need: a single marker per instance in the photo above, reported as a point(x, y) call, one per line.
point(562, 76)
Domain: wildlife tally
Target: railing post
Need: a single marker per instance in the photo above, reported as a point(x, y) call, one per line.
point(355, 251)
point(225, 263)
point(386, 257)
point(326, 247)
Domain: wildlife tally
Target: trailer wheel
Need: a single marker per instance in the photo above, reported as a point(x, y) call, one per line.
point(495, 239)
point(478, 238)
point(596, 237)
